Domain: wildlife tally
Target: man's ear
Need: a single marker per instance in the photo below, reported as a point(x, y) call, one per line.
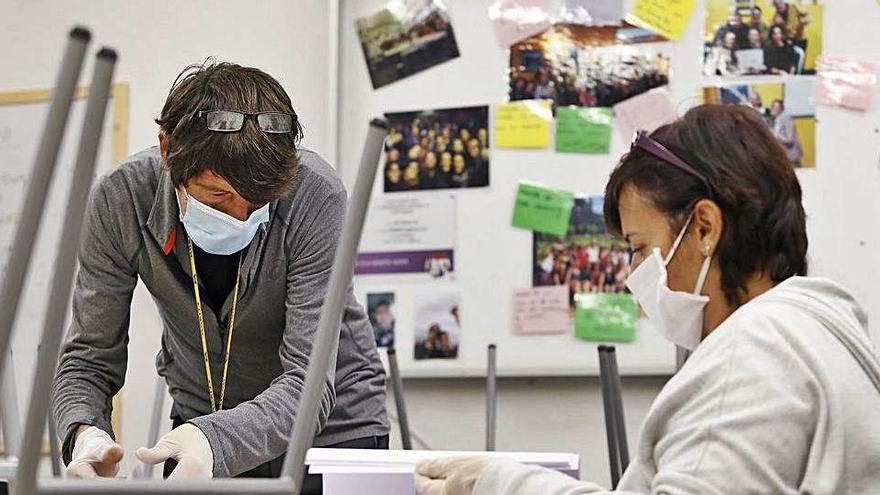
point(163, 145)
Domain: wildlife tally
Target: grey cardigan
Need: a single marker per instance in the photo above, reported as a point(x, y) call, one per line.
point(132, 231)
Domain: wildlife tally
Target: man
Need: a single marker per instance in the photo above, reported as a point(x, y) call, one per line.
point(478, 167)
point(758, 23)
point(757, 104)
point(444, 177)
point(232, 229)
point(429, 176)
point(793, 22)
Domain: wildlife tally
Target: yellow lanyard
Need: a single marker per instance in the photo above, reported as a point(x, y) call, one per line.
point(192, 264)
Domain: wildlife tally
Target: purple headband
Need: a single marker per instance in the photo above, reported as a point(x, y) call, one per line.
point(642, 140)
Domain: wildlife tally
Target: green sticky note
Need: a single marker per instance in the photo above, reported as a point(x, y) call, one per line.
point(605, 317)
point(583, 130)
point(542, 209)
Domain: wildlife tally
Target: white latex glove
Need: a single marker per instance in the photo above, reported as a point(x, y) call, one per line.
point(188, 446)
point(450, 476)
point(94, 454)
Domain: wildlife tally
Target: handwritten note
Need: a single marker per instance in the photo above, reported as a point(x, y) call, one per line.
point(605, 317)
point(583, 130)
point(523, 124)
point(540, 310)
point(845, 82)
point(646, 111)
point(542, 209)
point(665, 17)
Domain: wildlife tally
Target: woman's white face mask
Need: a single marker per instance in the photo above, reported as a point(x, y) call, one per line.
point(678, 316)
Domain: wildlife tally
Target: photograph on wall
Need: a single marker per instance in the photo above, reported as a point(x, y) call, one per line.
point(761, 37)
point(437, 149)
point(409, 234)
point(787, 108)
point(587, 259)
point(406, 37)
point(380, 308)
point(588, 66)
point(437, 326)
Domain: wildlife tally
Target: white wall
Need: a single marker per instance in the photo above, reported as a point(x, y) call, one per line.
point(534, 414)
point(566, 414)
point(155, 40)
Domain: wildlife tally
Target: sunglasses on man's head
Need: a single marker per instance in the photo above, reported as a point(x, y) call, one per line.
point(643, 141)
point(233, 121)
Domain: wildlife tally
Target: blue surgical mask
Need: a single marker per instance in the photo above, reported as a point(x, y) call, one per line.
point(216, 232)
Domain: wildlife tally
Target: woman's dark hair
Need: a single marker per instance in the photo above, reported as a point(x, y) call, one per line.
point(752, 181)
point(261, 167)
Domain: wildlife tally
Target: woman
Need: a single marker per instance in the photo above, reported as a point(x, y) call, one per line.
point(782, 391)
point(721, 60)
point(393, 177)
point(779, 55)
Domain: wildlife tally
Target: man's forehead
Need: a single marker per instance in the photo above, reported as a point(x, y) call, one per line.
point(208, 179)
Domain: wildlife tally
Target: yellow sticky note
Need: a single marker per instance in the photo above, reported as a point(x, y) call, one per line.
point(523, 124)
point(665, 17)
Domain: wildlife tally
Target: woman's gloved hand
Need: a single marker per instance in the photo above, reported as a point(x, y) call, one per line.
point(189, 447)
point(94, 454)
point(450, 476)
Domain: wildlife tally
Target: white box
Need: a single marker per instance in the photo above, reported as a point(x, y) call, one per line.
point(390, 472)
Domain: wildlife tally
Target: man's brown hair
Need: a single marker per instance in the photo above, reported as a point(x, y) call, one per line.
point(260, 166)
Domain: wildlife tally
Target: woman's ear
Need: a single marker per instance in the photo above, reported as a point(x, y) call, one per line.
point(709, 224)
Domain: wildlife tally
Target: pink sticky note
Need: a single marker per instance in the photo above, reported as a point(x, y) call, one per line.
point(646, 111)
point(516, 20)
point(845, 82)
point(541, 310)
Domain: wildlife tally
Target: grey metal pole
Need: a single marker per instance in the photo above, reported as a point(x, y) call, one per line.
point(327, 336)
point(610, 418)
point(617, 402)
point(399, 401)
point(65, 264)
point(54, 449)
point(119, 486)
point(155, 420)
point(10, 419)
point(491, 399)
point(38, 184)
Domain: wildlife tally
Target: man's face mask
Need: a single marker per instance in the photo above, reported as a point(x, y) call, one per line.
point(216, 232)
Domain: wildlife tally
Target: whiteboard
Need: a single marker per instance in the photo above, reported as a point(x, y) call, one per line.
point(22, 118)
point(841, 195)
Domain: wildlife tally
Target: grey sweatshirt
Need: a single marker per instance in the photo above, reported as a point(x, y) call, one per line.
point(783, 397)
point(132, 231)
